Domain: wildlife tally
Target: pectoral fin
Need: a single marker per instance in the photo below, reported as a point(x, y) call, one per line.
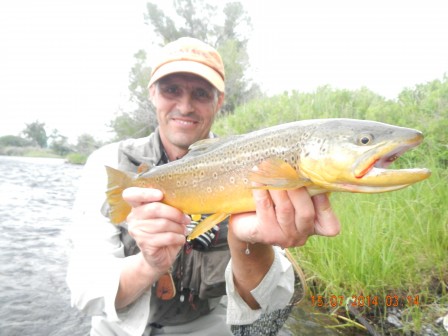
point(274, 173)
point(143, 168)
point(207, 224)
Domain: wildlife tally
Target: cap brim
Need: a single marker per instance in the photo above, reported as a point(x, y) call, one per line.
point(196, 68)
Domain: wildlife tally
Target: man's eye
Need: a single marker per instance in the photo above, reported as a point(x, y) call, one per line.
point(202, 94)
point(172, 89)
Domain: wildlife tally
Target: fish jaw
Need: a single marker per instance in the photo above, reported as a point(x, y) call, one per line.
point(367, 172)
point(376, 174)
point(371, 171)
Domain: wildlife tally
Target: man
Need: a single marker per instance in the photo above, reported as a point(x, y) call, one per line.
point(122, 274)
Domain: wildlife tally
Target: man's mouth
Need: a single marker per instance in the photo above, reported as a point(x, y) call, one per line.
point(186, 122)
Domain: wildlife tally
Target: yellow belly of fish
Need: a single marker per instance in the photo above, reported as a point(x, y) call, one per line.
point(208, 200)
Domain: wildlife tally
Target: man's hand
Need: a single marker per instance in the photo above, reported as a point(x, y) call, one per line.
point(286, 218)
point(283, 218)
point(158, 229)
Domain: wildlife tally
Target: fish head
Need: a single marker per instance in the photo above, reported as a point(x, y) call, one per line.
point(354, 155)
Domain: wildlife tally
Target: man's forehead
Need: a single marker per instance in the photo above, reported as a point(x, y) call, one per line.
point(179, 78)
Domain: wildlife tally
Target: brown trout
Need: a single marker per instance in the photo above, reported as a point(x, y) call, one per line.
point(217, 175)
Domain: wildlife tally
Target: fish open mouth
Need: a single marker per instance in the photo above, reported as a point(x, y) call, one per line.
point(372, 168)
point(384, 161)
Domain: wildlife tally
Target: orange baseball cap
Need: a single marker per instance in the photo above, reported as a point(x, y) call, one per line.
point(190, 55)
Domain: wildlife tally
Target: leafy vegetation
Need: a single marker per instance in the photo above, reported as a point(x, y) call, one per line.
point(36, 133)
point(34, 143)
point(392, 247)
point(14, 141)
point(392, 244)
point(76, 158)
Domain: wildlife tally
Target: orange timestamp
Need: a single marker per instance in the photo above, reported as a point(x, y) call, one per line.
point(334, 301)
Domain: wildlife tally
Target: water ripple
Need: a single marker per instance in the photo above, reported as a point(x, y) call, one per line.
point(35, 206)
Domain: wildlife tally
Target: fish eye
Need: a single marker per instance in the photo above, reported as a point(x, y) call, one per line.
point(365, 139)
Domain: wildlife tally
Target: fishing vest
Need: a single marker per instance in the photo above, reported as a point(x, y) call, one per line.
point(197, 275)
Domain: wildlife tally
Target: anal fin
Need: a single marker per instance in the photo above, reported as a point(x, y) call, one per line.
point(207, 224)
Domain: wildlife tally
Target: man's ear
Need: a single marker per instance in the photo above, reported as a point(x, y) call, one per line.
point(152, 93)
point(220, 100)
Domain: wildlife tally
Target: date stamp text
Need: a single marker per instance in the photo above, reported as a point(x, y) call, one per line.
point(334, 301)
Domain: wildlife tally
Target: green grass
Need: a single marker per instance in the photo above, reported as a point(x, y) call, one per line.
point(76, 158)
point(38, 152)
point(394, 243)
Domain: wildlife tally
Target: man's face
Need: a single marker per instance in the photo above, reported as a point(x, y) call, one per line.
point(186, 106)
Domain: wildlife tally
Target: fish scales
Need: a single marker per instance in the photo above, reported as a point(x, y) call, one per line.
point(217, 175)
point(199, 183)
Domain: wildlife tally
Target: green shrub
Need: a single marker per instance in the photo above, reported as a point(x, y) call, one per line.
point(76, 158)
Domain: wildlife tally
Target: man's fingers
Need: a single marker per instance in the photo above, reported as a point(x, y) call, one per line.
point(327, 224)
point(157, 226)
point(284, 213)
point(146, 204)
point(159, 210)
point(304, 208)
point(138, 196)
point(164, 240)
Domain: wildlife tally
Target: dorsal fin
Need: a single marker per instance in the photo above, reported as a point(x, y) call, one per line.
point(208, 144)
point(202, 145)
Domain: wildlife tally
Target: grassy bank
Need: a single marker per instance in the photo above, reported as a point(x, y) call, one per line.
point(73, 158)
point(392, 247)
point(28, 152)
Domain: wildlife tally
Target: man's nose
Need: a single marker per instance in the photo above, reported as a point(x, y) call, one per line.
point(185, 105)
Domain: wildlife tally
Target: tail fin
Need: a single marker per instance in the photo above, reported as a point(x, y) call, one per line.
point(117, 182)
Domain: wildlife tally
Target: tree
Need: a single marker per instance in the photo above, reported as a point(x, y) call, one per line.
point(35, 132)
point(13, 141)
point(59, 143)
point(87, 144)
point(141, 120)
point(195, 18)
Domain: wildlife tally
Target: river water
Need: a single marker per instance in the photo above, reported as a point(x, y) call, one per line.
point(36, 198)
